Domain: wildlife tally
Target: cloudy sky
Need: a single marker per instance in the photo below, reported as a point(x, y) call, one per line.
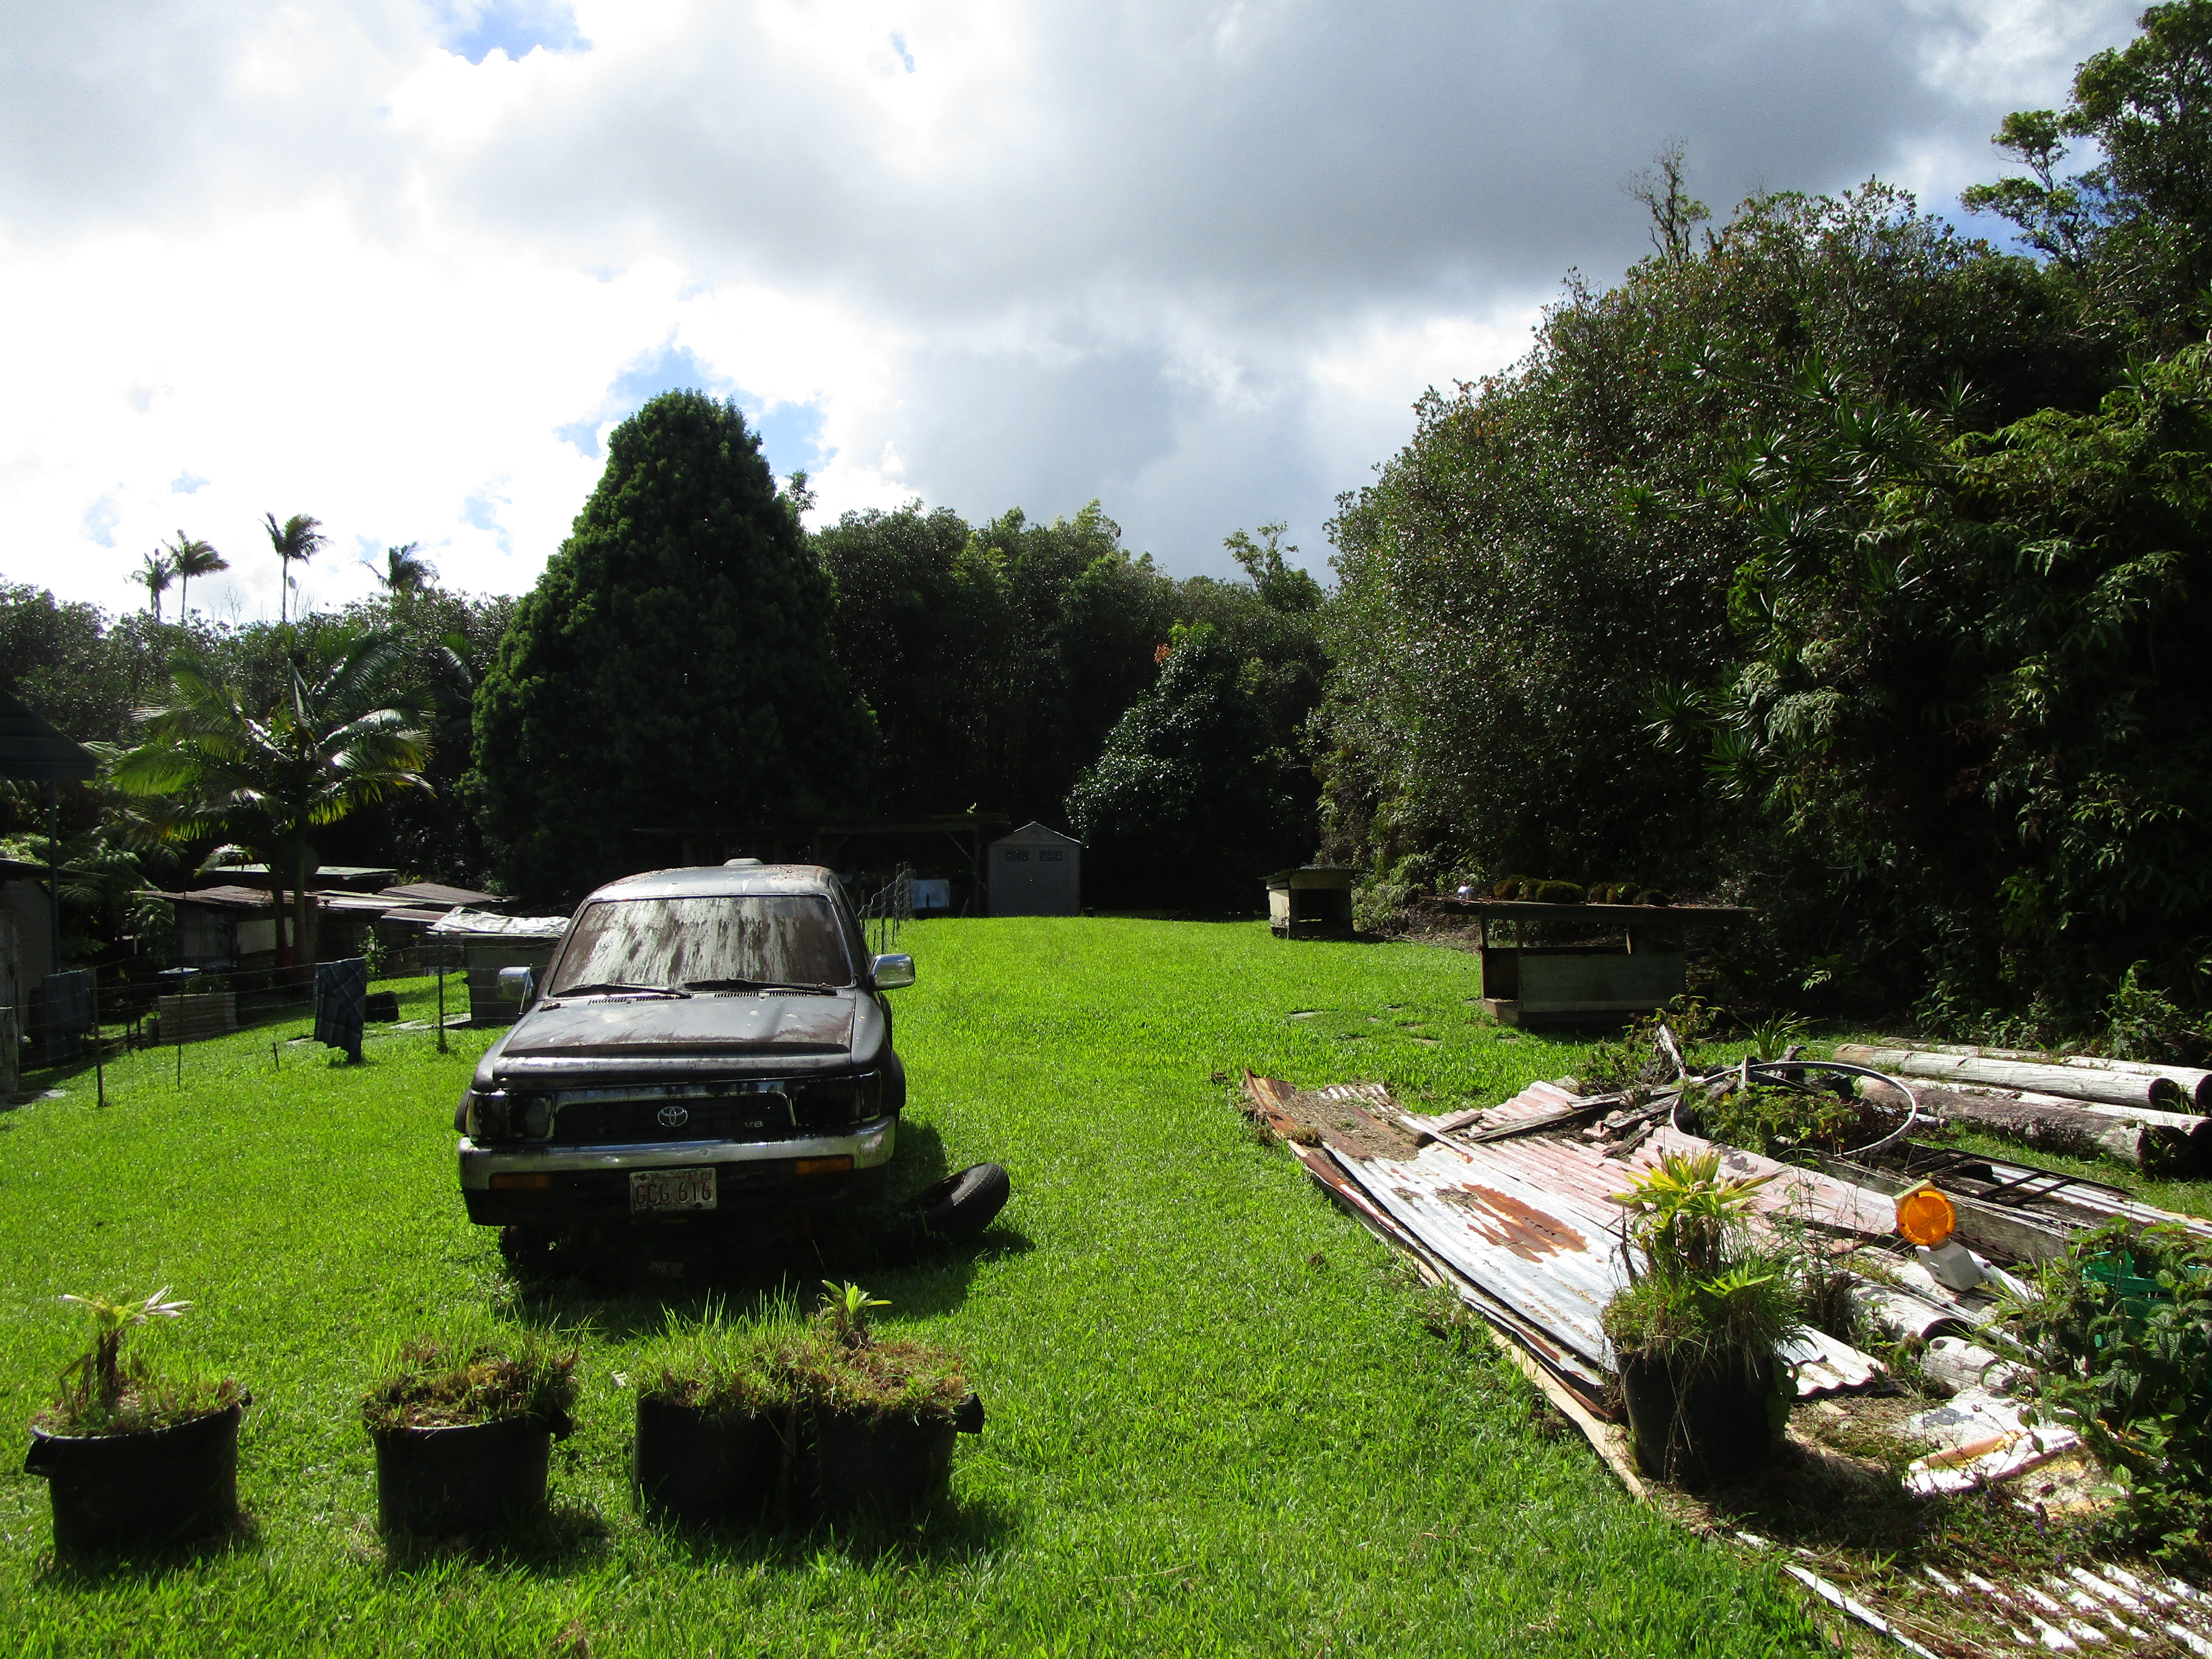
point(401, 265)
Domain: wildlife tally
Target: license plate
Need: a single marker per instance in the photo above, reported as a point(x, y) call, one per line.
point(671, 1189)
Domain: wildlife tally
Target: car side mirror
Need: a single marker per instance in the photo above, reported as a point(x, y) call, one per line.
point(517, 985)
point(892, 971)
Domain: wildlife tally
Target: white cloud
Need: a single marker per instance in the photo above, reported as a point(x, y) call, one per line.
point(1194, 261)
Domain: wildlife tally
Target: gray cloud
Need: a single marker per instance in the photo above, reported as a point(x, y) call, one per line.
point(1119, 267)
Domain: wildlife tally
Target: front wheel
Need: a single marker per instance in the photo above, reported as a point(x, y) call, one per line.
point(528, 1251)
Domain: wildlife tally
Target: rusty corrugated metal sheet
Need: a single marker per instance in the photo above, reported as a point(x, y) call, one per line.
point(1521, 1228)
point(1529, 1248)
point(1270, 1096)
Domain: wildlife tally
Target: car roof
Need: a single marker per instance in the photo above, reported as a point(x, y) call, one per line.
point(749, 878)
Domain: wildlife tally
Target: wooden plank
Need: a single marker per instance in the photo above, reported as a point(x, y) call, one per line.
point(1614, 915)
point(1599, 981)
point(1605, 1438)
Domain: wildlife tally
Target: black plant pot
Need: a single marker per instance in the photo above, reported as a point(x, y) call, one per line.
point(468, 1479)
point(705, 1469)
point(1710, 1428)
point(889, 1467)
point(118, 1491)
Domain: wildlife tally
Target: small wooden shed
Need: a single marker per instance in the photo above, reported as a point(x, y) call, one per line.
point(1584, 983)
point(1313, 900)
point(1036, 872)
point(489, 944)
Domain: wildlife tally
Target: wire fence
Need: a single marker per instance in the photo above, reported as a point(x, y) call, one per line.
point(103, 1012)
point(887, 910)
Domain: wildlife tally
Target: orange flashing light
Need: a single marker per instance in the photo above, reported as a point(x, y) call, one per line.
point(1925, 1217)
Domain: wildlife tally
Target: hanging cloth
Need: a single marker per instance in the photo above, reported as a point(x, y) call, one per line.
point(341, 1003)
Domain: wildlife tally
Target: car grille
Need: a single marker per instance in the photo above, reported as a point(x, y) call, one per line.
point(749, 1117)
point(754, 1115)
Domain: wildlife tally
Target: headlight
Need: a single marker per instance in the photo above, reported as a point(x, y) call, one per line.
point(536, 1115)
point(486, 1116)
point(838, 1103)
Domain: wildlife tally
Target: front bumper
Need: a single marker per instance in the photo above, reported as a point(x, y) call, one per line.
point(591, 1183)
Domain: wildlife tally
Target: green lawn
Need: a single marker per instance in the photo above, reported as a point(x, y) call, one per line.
point(1218, 1422)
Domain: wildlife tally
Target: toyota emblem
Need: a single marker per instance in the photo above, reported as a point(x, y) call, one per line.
point(674, 1117)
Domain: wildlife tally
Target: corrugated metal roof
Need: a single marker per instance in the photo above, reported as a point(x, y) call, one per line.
point(477, 924)
point(435, 893)
point(1524, 1228)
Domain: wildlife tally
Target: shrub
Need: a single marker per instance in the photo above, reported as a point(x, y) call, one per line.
point(2129, 1369)
point(1791, 1123)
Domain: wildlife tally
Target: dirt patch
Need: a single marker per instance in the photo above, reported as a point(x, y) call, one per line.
point(1347, 1129)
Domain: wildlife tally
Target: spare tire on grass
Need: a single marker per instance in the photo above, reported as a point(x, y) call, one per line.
point(960, 1206)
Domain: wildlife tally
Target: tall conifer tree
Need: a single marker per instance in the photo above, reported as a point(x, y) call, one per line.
point(673, 670)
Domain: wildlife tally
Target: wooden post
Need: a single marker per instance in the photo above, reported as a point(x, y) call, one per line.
point(98, 1057)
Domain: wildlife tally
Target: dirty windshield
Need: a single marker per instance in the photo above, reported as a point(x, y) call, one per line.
point(720, 943)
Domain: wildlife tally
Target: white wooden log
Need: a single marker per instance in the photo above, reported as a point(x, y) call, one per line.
point(2195, 1083)
point(2079, 1127)
point(2068, 1082)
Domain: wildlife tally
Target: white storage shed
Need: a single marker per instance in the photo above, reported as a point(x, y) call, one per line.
point(1036, 872)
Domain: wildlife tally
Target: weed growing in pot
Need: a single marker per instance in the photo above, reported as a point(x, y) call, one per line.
point(103, 1392)
point(723, 1367)
point(834, 1363)
point(2118, 1332)
point(438, 1383)
point(839, 1365)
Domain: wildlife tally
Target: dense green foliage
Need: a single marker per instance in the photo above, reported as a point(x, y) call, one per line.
point(262, 780)
point(90, 673)
point(673, 669)
point(1842, 565)
point(2129, 1365)
point(998, 657)
point(1191, 800)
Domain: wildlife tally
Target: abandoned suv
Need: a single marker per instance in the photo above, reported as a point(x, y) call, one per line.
point(709, 1047)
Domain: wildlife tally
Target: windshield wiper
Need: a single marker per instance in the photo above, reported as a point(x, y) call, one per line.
point(612, 988)
point(755, 985)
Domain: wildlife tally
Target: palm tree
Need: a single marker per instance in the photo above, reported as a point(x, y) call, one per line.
point(191, 558)
point(298, 538)
point(405, 570)
point(264, 781)
point(154, 574)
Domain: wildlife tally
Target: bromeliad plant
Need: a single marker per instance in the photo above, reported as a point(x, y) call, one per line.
point(1705, 1298)
point(846, 1308)
point(104, 1392)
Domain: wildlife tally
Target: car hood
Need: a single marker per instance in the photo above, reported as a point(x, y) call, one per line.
point(666, 1026)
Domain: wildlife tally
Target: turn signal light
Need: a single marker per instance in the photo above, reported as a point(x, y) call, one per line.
point(837, 1165)
point(1925, 1217)
point(521, 1183)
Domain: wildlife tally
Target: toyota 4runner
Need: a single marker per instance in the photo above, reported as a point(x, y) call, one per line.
point(709, 1047)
